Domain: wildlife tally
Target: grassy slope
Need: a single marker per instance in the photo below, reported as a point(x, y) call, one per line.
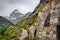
point(4, 24)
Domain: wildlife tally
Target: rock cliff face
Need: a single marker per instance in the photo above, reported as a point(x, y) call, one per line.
point(50, 14)
point(47, 32)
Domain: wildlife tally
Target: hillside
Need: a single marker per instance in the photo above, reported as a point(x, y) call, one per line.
point(4, 24)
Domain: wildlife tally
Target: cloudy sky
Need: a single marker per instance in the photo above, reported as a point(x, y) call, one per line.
point(24, 6)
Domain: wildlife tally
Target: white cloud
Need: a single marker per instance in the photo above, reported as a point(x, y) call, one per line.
point(7, 6)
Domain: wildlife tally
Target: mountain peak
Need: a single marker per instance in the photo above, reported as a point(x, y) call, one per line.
point(17, 11)
point(15, 14)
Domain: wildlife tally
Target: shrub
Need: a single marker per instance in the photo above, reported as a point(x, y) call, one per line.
point(12, 32)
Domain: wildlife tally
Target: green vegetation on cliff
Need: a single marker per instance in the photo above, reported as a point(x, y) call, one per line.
point(12, 32)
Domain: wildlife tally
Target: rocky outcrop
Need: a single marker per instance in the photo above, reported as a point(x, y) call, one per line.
point(24, 34)
point(47, 32)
